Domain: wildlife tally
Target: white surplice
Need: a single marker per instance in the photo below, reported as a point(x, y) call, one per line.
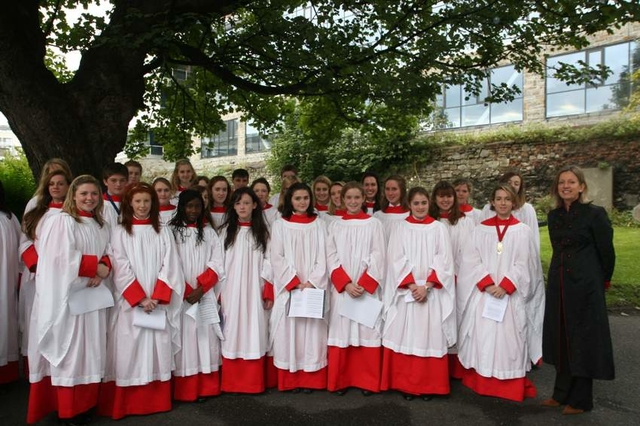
point(28, 281)
point(245, 319)
point(357, 245)
point(390, 221)
point(69, 348)
point(420, 329)
point(9, 273)
point(495, 349)
point(138, 356)
point(200, 349)
point(459, 235)
point(298, 250)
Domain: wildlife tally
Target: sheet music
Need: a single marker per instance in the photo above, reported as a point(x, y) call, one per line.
point(307, 303)
point(155, 320)
point(363, 310)
point(90, 299)
point(408, 297)
point(494, 308)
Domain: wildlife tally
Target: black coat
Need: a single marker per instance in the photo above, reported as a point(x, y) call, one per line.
point(582, 262)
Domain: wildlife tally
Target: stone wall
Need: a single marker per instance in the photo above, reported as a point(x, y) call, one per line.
point(538, 163)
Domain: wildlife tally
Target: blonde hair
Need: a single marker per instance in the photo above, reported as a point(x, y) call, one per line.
point(69, 205)
point(175, 180)
point(333, 207)
point(288, 180)
point(582, 180)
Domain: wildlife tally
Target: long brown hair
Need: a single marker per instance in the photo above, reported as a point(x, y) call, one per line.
point(126, 209)
point(445, 188)
point(69, 205)
point(32, 217)
point(402, 183)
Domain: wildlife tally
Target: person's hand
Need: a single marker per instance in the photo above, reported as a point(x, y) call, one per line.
point(302, 286)
point(419, 293)
point(94, 282)
point(354, 290)
point(103, 270)
point(496, 291)
point(148, 304)
point(195, 295)
point(268, 304)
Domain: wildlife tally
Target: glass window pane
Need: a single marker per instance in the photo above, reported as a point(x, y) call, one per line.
point(507, 75)
point(555, 85)
point(505, 112)
point(567, 103)
point(472, 99)
point(600, 98)
point(453, 117)
point(475, 115)
point(617, 59)
point(452, 96)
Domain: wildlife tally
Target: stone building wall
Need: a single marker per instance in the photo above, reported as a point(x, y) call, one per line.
point(538, 163)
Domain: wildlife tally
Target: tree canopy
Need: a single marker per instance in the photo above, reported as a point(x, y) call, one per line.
point(354, 59)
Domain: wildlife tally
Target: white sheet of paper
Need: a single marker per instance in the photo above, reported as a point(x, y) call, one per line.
point(193, 311)
point(155, 320)
point(208, 312)
point(408, 297)
point(90, 299)
point(363, 310)
point(494, 308)
point(307, 303)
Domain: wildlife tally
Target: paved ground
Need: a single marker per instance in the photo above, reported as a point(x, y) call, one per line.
point(616, 402)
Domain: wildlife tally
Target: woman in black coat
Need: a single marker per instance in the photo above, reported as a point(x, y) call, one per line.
point(576, 338)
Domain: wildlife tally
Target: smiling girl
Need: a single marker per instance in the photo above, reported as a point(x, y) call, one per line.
point(163, 190)
point(182, 178)
point(198, 361)
point(262, 189)
point(394, 206)
point(321, 195)
point(219, 194)
point(356, 262)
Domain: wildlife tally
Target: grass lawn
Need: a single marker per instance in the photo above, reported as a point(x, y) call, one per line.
point(625, 285)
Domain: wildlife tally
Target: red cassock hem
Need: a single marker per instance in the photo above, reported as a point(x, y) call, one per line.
point(120, 401)
point(414, 374)
point(302, 379)
point(243, 375)
point(511, 389)
point(9, 372)
point(354, 366)
point(44, 398)
point(190, 388)
point(456, 370)
point(271, 373)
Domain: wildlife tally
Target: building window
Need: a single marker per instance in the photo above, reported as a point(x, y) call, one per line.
point(254, 141)
point(613, 93)
point(154, 147)
point(458, 108)
point(224, 143)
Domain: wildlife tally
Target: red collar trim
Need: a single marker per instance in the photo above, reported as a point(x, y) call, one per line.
point(395, 210)
point(493, 221)
point(427, 220)
point(340, 212)
point(443, 215)
point(194, 225)
point(465, 208)
point(114, 198)
point(300, 218)
point(167, 208)
point(321, 208)
point(53, 205)
point(266, 206)
point(244, 223)
point(218, 209)
point(82, 213)
point(359, 215)
point(370, 204)
point(182, 188)
point(136, 221)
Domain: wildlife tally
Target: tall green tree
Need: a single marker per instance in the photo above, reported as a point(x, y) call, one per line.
point(252, 55)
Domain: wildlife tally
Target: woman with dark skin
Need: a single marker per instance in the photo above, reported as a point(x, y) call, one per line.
point(576, 337)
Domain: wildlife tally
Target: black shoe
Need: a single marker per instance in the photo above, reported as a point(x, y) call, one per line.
point(427, 397)
point(296, 390)
point(307, 391)
point(366, 393)
point(408, 396)
point(342, 392)
point(201, 400)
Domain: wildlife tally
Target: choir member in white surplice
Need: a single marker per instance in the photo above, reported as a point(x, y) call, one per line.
point(496, 268)
point(246, 295)
point(196, 375)
point(298, 260)
point(9, 276)
point(148, 280)
point(356, 262)
point(394, 208)
point(420, 321)
point(67, 351)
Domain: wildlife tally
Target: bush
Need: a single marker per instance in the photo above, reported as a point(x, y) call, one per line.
point(18, 181)
point(623, 219)
point(543, 206)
